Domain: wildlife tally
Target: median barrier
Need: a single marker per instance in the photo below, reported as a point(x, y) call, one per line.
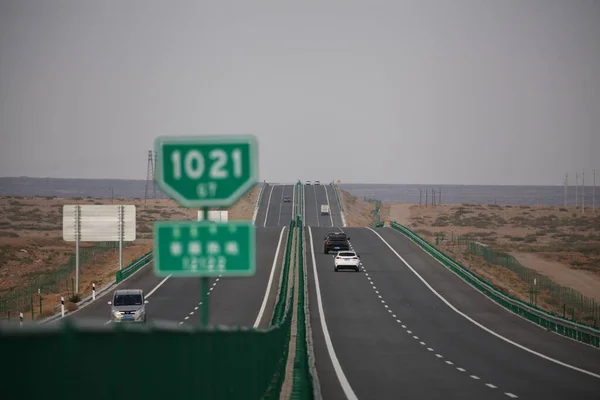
point(171, 361)
point(552, 322)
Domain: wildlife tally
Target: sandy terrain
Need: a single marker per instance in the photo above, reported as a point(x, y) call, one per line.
point(560, 243)
point(356, 211)
point(32, 249)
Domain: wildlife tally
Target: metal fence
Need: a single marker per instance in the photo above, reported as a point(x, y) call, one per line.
point(28, 296)
point(572, 303)
point(549, 320)
point(216, 362)
point(377, 221)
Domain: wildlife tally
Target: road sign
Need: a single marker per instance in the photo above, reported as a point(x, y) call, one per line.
point(207, 171)
point(99, 223)
point(204, 248)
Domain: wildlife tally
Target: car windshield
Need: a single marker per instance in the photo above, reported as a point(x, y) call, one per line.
point(346, 254)
point(128, 300)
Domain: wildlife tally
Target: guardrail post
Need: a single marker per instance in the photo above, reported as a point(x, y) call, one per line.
point(62, 306)
point(20, 319)
point(93, 292)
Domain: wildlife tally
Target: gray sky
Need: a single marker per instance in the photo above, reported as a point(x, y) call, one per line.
point(462, 91)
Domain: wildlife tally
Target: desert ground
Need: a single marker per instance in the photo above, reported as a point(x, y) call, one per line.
point(32, 249)
point(357, 212)
point(562, 243)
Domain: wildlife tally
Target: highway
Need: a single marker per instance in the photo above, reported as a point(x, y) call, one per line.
point(314, 197)
point(273, 211)
point(232, 301)
point(402, 327)
point(383, 333)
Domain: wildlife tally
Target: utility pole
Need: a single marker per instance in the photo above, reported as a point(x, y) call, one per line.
point(153, 176)
point(576, 189)
point(583, 192)
point(149, 174)
point(566, 187)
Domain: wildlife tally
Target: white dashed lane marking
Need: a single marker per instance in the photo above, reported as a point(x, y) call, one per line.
point(200, 303)
point(423, 343)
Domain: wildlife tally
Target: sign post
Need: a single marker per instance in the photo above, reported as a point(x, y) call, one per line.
point(202, 172)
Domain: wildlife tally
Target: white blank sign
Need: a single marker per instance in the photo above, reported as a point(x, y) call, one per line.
point(98, 223)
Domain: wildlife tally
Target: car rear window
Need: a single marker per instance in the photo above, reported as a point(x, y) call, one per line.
point(346, 254)
point(128, 300)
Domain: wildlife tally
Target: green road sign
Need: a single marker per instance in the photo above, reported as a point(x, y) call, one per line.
point(206, 171)
point(204, 248)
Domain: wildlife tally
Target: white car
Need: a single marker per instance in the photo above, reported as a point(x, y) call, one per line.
point(347, 260)
point(308, 182)
point(317, 182)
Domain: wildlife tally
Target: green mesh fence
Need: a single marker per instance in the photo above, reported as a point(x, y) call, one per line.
point(58, 280)
point(573, 303)
point(377, 221)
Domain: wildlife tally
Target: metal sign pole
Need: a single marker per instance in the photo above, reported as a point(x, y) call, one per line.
point(204, 286)
point(77, 234)
point(121, 223)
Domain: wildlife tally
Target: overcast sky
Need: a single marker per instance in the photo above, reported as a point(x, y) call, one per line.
point(471, 92)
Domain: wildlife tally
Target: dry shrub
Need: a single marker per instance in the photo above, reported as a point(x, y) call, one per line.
point(70, 306)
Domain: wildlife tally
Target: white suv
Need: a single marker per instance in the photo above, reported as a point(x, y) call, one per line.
point(347, 260)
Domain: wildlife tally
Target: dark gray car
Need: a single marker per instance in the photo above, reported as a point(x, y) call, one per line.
point(128, 305)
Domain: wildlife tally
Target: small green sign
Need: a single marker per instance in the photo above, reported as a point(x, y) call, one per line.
point(204, 248)
point(206, 171)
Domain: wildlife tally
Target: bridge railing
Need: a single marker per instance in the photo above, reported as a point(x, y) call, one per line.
point(164, 360)
point(577, 331)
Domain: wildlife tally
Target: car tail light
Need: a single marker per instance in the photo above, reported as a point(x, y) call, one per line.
point(355, 258)
point(338, 258)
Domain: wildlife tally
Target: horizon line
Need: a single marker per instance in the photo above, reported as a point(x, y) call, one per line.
point(342, 183)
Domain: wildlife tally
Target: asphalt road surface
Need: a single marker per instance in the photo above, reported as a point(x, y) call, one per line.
point(382, 333)
point(314, 197)
point(273, 211)
point(232, 301)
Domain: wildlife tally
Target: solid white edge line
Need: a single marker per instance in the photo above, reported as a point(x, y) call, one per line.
point(346, 388)
point(545, 357)
point(328, 205)
point(261, 311)
point(339, 200)
point(257, 205)
point(268, 205)
point(150, 293)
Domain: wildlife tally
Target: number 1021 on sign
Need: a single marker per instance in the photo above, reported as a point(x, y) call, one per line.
point(207, 171)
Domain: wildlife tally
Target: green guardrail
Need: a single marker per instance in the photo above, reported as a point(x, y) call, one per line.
point(133, 267)
point(577, 331)
point(305, 385)
point(170, 361)
point(280, 306)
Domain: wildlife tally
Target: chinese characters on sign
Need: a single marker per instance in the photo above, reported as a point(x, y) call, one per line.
point(193, 248)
